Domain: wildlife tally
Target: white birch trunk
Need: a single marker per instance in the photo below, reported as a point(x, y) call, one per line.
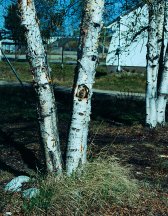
point(163, 90)
point(87, 61)
point(152, 66)
point(43, 87)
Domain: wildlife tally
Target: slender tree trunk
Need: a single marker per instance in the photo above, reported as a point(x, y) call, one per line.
point(153, 54)
point(163, 93)
point(163, 89)
point(87, 61)
point(42, 83)
point(160, 37)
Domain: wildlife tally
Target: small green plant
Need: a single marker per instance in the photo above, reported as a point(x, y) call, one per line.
point(43, 201)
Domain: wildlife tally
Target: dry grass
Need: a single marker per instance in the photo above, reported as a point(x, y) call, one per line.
point(102, 183)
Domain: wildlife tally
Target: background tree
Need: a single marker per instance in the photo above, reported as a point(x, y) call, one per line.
point(156, 63)
point(152, 66)
point(163, 84)
point(51, 19)
point(13, 24)
point(51, 16)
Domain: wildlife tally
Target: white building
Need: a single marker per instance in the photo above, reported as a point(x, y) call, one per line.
point(7, 46)
point(129, 39)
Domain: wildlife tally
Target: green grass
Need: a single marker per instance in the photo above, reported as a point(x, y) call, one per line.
point(125, 81)
point(22, 69)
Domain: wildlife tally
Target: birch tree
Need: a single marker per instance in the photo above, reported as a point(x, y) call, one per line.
point(42, 84)
point(163, 88)
point(86, 65)
point(156, 101)
point(152, 66)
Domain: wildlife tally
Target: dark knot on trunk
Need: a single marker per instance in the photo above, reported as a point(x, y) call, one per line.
point(82, 92)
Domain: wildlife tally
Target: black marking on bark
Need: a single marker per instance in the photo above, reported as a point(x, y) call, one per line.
point(82, 92)
point(73, 150)
point(153, 66)
point(54, 142)
point(96, 25)
point(160, 40)
point(156, 57)
point(38, 85)
point(94, 58)
point(76, 129)
point(42, 116)
point(81, 114)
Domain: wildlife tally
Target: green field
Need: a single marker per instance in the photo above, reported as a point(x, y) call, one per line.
point(125, 81)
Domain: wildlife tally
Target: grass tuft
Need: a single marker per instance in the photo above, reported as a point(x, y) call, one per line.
point(102, 183)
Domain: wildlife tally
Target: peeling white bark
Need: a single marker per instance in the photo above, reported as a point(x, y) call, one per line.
point(42, 83)
point(87, 61)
